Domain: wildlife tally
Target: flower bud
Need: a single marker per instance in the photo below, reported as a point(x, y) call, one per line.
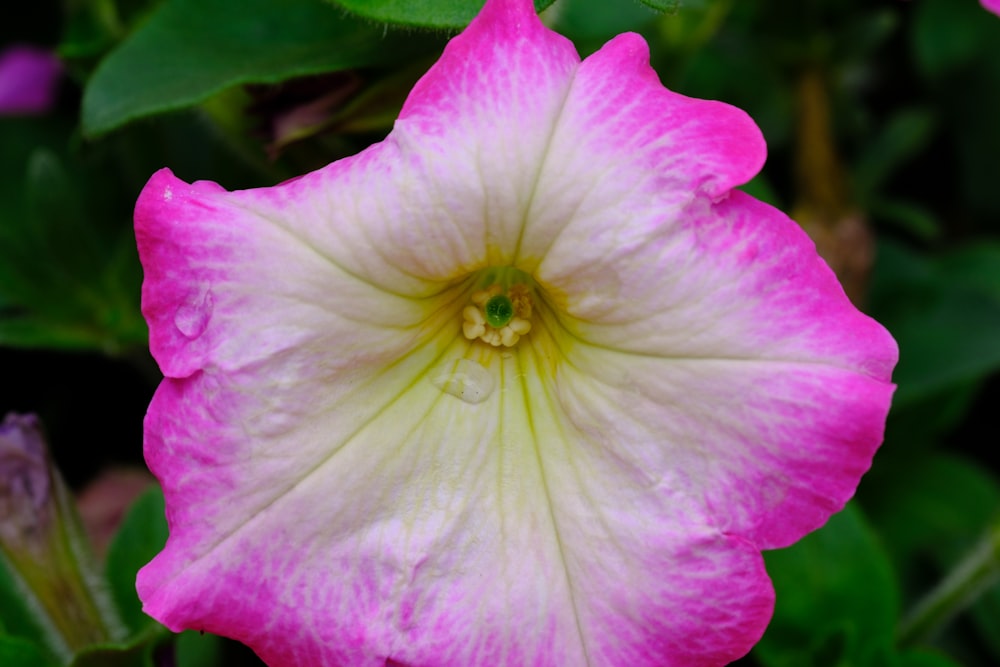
point(43, 546)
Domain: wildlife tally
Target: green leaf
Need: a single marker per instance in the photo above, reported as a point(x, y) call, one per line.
point(137, 652)
point(152, 648)
point(662, 5)
point(932, 510)
point(20, 652)
point(975, 268)
point(985, 613)
point(192, 49)
point(862, 33)
point(424, 13)
point(140, 537)
point(21, 635)
point(197, 649)
point(908, 216)
point(761, 188)
point(922, 658)
point(970, 100)
point(591, 23)
point(949, 34)
point(837, 601)
point(935, 505)
point(944, 313)
point(955, 337)
point(65, 282)
point(906, 133)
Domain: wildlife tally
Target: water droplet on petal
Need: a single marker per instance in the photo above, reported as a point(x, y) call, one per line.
point(464, 379)
point(192, 316)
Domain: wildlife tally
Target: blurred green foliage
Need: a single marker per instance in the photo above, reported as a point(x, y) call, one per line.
point(883, 124)
point(420, 13)
point(188, 50)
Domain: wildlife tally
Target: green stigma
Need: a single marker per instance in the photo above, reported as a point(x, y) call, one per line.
point(499, 310)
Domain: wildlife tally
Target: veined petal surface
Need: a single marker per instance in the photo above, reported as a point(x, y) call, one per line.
point(351, 482)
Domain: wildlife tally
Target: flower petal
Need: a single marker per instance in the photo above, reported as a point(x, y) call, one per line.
point(627, 154)
point(474, 132)
point(730, 346)
point(230, 283)
point(410, 525)
point(768, 450)
point(700, 310)
point(430, 530)
point(445, 194)
point(731, 279)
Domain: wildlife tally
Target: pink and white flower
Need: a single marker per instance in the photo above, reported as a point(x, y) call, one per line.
point(527, 383)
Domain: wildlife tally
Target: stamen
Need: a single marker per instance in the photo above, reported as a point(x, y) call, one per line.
point(521, 299)
point(497, 318)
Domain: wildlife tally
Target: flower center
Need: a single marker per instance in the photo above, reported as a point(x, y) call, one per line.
point(498, 315)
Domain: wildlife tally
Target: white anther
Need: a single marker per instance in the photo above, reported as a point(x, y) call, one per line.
point(508, 337)
point(472, 330)
point(521, 300)
point(519, 326)
point(473, 315)
point(480, 297)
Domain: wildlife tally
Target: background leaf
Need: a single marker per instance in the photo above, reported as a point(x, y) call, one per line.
point(140, 537)
point(21, 637)
point(931, 511)
point(67, 278)
point(424, 13)
point(925, 659)
point(196, 649)
point(191, 49)
point(949, 34)
point(837, 600)
point(591, 23)
point(925, 301)
point(662, 5)
point(139, 651)
point(20, 652)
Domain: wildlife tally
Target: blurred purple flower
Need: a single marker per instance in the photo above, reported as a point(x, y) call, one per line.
point(992, 5)
point(28, 80)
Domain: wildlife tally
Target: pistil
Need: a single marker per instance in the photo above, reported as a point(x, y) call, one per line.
point(498, 317)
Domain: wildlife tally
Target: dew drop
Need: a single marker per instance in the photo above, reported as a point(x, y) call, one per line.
point(464, 379)
point(192, 316)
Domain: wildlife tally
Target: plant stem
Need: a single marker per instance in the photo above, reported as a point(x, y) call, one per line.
point(975, 574)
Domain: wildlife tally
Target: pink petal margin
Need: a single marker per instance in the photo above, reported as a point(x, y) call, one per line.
point(992, 5)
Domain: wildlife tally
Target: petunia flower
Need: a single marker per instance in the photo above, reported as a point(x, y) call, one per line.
point(29, 77)
point(527, 383)
point(992, 5)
